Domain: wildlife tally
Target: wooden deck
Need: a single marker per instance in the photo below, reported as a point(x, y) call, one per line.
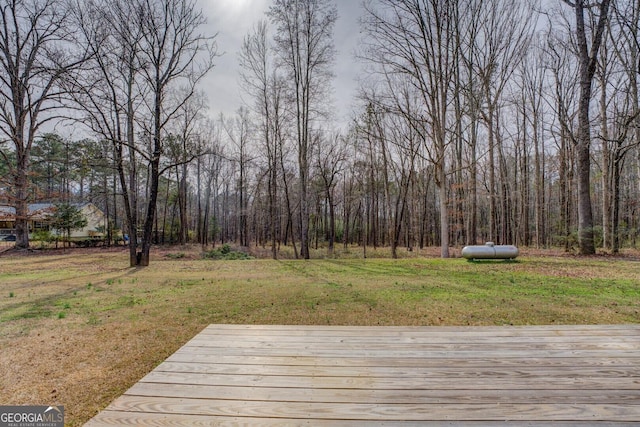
point(391, 376)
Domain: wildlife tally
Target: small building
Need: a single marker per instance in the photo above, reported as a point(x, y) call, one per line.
point(40, 219)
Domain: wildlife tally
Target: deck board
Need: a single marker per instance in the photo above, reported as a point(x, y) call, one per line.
point(397, 376)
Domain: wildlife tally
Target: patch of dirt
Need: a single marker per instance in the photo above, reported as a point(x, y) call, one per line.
point(12, 251)
point(80, 367)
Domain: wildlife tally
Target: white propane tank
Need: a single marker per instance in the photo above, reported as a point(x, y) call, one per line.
point(490, 251)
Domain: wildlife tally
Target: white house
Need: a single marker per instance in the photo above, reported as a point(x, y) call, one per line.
point(40, 215)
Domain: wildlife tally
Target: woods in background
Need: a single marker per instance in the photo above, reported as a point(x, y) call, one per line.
point(514, 122)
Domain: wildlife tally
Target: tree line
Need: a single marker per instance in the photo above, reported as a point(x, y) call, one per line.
point(512, 122)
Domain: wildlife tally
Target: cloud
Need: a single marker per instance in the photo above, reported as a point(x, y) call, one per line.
point(233, 19)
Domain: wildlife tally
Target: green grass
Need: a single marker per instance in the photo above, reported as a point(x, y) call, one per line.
point(349, 291)
point(114, 323)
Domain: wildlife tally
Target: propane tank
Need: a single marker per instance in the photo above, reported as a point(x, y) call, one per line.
point(490, 251)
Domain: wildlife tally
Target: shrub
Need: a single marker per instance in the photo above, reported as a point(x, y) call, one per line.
point(176, 255)
point(225, 252)
point(44, 237)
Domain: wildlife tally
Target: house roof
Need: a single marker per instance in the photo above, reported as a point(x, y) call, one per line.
point(36, 210)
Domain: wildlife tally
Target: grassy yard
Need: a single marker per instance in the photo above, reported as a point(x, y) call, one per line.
point(79, 329)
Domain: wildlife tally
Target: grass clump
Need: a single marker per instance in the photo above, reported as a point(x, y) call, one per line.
point(177, 255)
point(225, 252)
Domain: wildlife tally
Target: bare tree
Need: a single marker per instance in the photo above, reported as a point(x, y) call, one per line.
point(330, 161)
point(238, 130)
point(187, 149)
point(209, 167)
point(142, 51)
point(261, 80)
point(416, 41)
point(562, 100)
point(587, 56)
point(532, 75)
point(624, 31)
point(373, 131)
point(36, 52)
point(173, 51)
point(106, 92)
point(304, 41)
point(504, 33)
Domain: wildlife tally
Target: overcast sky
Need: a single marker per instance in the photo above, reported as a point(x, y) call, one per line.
point(233, 19)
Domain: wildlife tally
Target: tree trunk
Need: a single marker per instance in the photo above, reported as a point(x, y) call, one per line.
point(606, 159)
point(615, 214)
point(273, 195)
point(493, 214)
point(587, 58)
point(304, 206)
point(472, 236)
point(199, 227)
point(585, 213)
point(444, 211)
point(147, 230)
point(21, 205)
point(332, 221)
point(539, 184)
point(524, 177)
point(289, 226)
point(182, 207)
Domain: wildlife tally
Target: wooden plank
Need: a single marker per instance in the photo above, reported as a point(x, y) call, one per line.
point(392, 352)
point(377, 411)
point(113, 418)
point(447, 371)
point(632, 361)
point(422, 331)
point(209, 340)
point(417, 347)
point(408, 339)
point(394, 396)
point(348, 376)
point(539, 383)
point(341, 329)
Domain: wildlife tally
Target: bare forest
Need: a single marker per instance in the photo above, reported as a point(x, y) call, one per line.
point(512, 122)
